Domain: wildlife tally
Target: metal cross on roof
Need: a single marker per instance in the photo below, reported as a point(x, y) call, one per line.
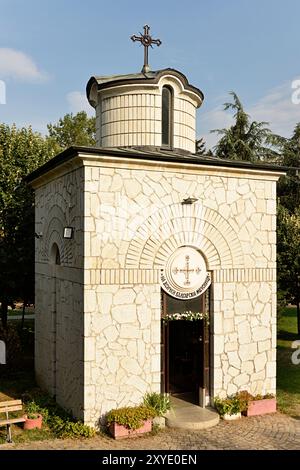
point(146, 41)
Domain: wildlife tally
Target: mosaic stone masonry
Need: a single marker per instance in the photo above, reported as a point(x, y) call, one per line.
point(132, 220)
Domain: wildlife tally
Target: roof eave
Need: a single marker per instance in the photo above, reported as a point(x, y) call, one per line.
point(192, 159)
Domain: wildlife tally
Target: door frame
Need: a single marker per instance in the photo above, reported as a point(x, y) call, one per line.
point(205, 379)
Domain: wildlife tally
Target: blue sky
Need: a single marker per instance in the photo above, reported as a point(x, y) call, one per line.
point(50, 48)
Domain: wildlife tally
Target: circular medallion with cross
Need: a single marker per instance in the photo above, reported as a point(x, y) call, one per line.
point(185, 275)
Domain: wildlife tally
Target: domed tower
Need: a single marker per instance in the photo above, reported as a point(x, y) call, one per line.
point(152, 109)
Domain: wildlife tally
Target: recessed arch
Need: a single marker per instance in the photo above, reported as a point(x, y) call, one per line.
point(53, 233)
point(177, 225)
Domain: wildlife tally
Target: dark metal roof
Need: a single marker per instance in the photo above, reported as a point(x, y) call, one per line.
point(149, 154)
point(149, 77)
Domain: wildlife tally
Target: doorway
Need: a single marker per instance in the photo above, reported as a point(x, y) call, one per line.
point(185, 350)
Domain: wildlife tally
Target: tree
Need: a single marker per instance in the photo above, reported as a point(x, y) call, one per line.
point(289, 186)
point(288, 256)
point(245, 140)
point(200, 147)
point(76, 129)
point(21, 151)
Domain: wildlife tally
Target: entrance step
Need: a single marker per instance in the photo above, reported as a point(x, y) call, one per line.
point(185, 415)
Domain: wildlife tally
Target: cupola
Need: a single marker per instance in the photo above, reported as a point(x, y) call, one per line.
point(154, 109)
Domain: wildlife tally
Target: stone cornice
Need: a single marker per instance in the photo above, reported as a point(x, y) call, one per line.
point(75, 157)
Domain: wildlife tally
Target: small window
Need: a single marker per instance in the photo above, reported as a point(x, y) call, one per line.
point(166, 117)
point(55, 255)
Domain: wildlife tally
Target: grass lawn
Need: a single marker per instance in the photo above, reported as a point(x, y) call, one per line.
point(19, 311)
point(288, 374)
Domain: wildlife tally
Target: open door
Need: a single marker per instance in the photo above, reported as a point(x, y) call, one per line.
point(185, 350)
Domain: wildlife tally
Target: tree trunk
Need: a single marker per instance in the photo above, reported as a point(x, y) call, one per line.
point(4, 309)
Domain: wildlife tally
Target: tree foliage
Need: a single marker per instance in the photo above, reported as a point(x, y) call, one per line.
point(244, 140)
point(288, 222)
point(200, 147)
point(289, 186)
point(78, 129)
point(21, 151)
point(288, 256)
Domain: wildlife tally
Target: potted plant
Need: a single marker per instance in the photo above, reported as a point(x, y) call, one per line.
point(33, 419)
point(229, 408)
point(130, 421)
point(160, 402)
point(257, 404)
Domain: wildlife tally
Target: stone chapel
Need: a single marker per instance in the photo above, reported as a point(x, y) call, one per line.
point(137, 237)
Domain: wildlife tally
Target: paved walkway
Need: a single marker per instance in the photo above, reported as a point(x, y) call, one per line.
point(186, 415)
point(270, 432)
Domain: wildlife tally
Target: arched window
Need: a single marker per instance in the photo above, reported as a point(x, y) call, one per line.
point(55, 255)
point(167, 117)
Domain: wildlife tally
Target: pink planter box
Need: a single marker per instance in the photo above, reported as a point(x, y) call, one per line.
point(35, 423)
point(118, 431)
point(261, 407)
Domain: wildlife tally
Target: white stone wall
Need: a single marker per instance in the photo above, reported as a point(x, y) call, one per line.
point(129, 218)
point(59, 291)
point(134, 221)
point(122, 346)
point(131, 116)
point(244, 323)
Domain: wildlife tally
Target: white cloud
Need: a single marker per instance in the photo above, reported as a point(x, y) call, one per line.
point(78, 102)
point(216, 118)
point(15, 64)
point(276, 108)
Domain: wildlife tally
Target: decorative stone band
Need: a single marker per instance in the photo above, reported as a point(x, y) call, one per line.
point(244, 275)
point(124, 276)
point(153, 276)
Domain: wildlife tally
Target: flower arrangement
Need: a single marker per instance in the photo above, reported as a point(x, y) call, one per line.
point(188, 315)
point(257, 404)
point(245, 403)
point(231, 405)
point(131, 417)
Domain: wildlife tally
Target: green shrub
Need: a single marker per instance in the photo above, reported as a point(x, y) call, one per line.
point(70, 429)
point(230, 405)
point(238, 402)
point(268, 396)
point(58, 420)
point(160, 402)
point(131, 417)
point(32, 410)
point(246, 397)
